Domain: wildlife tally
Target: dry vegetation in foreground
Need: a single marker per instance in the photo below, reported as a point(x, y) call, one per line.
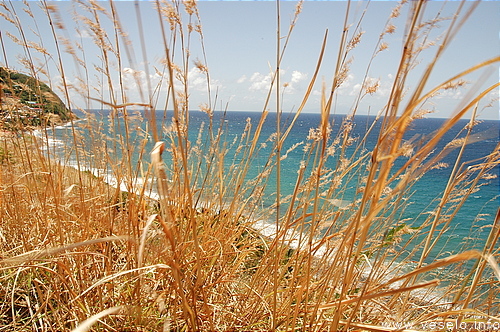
point(77, 253)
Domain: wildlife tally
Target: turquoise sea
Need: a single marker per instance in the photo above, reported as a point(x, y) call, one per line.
point(425, 193)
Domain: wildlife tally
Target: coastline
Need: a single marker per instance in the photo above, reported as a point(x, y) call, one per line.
point(419, 298)
point(265, 227)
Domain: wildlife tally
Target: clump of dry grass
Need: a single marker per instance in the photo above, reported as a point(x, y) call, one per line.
point(77, 252)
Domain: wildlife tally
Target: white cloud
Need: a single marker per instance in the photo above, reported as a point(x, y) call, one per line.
point(242, 79)
point(383, 87)
point(197, 80)
point(293, 85)
point(135, 81)
point(355, 89)
point(83, 33)
point(260, 81)
point(297, 76)
point(450, 94)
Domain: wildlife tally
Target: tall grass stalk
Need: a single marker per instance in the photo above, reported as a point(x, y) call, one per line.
point(168, 238)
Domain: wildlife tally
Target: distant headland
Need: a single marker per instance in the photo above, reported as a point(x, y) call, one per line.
point(26, 102)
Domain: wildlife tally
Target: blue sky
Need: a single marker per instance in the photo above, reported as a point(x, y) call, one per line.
point(240, 45)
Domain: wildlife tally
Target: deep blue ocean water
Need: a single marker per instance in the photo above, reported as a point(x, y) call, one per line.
point(428, 189)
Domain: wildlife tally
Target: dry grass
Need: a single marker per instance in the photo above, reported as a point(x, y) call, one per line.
point(77, 253)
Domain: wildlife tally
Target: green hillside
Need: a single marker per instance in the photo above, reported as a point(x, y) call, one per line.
point(30, 102)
